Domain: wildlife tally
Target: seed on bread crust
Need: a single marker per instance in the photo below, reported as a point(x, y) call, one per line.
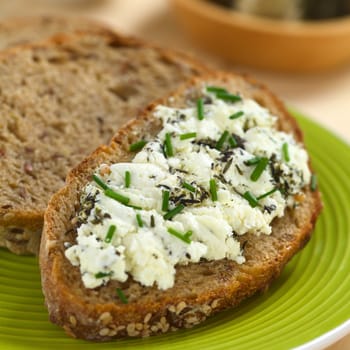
point(106, 318)
point(72, 320)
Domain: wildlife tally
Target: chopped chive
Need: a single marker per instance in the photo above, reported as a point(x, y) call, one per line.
point(121, 296)
point(221, 140)
point(228, 97)
point(285, 152)
point(171, 213)
point(200, 109)
point(102, 274)
point(184, 237)
point(110, 233)
point(133, 206)
point(236, 115)
point(213, 190)
point(227, 165)
point(127, 179)
point(313, 184)
point(118, 197)
point(139, 220)
point(168, 145)
point(253, 201)
point(99, 182)
point(267, 193)
point(188, 187)
point(137, 146)
point(240, 172)
point(260, 167)
point(216, 89)
point(189, 135)
point(252, 161)
point(152, 221)
point(165, 201)
point(232, 141)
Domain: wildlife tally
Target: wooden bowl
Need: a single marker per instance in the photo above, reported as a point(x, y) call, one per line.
point(292, 46)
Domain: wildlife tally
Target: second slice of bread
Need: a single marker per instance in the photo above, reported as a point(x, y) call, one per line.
point(16, 31)
point(61, 99)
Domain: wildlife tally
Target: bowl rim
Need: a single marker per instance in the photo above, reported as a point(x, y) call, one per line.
point(329, 27)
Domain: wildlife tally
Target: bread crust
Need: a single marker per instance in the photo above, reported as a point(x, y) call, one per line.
point(200, 289)
point(19, 31)
point(30, 220)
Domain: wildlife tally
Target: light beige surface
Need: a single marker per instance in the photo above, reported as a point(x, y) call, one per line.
point(273, 44)
point(325, 98)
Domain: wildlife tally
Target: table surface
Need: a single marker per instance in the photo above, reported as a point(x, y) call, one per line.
point(324, 97)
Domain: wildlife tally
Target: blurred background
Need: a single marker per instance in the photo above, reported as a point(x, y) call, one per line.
point(239, 41)
point(323, 95)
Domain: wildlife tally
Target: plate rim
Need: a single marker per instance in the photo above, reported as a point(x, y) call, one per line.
point(327, 338)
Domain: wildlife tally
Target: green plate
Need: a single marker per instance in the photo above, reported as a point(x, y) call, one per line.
point(311, 298)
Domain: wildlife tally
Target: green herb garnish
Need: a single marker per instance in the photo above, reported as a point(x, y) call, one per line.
point(236, 115)
point(137, 146)
point(99, 182)
point(252, 161)
point(152, 221)
point(216, 89)
point(221, 140)
point(133, 206)
point(118, 197)
point(184, 237)
point(139, 220)
point(213, 190)
point(165, 201)
point(127, 179)
point(223, 94)
point(188, 187)
point(227, 165)
point(121, 296)
point(253, 201)
point(200, 109)
point(189, 135)
point(110, 233)
point(285, 152)
point(228, 97)
point(267, 194)
point(313, 183)
point(102, 274)
point(168, 145)
point(260, 167)
point(232, 141)
point(171, 213)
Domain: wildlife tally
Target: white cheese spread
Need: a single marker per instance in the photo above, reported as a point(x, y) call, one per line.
point(188, 193)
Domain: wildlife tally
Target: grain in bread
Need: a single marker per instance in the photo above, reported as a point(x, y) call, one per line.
point(200, 289)
point(59, 100)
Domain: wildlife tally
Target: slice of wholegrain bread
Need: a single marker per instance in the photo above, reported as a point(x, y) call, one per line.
point(200, 289)
point(61, 99)
point(23, 30)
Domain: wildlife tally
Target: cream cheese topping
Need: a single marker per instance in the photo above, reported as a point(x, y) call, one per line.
point(150, 252)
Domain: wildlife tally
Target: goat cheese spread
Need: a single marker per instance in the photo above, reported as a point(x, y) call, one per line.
point(217, 170)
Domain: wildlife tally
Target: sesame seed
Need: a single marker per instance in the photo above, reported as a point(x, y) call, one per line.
point(73, 320)
point(139, 326)
point(180, 306)
point(147, 318)
point(104, 331)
